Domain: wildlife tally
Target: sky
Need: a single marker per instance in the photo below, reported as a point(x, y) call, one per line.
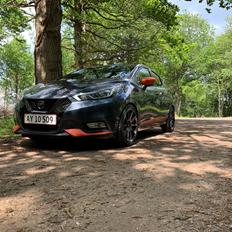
point(217, 17)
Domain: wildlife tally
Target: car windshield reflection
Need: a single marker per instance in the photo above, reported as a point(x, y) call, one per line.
point(105, 72)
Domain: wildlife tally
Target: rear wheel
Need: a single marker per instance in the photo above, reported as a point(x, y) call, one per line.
point(128, 126)
point(169, 126)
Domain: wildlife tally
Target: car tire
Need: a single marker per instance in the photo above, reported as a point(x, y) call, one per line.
point(169, 126)
point(127, 127)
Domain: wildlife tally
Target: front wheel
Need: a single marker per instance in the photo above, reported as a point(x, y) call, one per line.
point(128, 126)
point(169, 126)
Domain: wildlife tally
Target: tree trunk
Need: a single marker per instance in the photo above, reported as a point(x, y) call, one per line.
point(220, 100)
point(78, 31)
point(48, 61)
point(178, 96)
point(78, 44)
point(5, 102)
point(178, 104)
point(16, 87)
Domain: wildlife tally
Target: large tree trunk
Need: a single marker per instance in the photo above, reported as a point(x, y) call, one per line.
point(78, 31)
point(78, 44)
point(48, 62)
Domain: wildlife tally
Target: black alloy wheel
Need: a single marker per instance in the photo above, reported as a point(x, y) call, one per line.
point(169, 126)
point(128, 126)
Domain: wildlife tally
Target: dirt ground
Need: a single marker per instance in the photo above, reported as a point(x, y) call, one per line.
point(165, 182)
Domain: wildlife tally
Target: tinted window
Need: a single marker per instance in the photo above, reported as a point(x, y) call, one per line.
point(141, 73)
point(104, 72)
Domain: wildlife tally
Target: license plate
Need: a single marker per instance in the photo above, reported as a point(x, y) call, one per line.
point(44, 119)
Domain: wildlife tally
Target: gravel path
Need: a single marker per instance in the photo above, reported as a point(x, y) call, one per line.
point(166, 182)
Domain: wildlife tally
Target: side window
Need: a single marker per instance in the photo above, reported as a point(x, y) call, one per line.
point(158, 82)
point(141, 73)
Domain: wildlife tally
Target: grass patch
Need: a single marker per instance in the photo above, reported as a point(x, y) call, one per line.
point(6, 125)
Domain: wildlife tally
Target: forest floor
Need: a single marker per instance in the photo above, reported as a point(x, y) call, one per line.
point(165, 182)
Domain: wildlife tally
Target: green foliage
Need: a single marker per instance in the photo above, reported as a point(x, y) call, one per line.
point(196, 65)
point(196, 99)
point(227, 4)
point(12, 19)
point(6, 126)
point(16, 65)
point(181, 48)
point(116, 31)
point(67, 51)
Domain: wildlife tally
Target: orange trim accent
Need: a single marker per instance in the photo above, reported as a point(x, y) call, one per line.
point(80, 133)
point(16, 128)
point(152, 122)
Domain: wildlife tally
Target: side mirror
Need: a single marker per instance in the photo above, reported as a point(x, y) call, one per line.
point(148, 81)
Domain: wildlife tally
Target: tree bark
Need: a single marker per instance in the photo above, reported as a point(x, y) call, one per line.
point(78, 31)
point(220, 101)
point(16, 87)
point(178, 103)
point(48, 58)
point(79, 63)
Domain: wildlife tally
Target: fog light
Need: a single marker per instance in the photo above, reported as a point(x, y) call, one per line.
point(96, 125)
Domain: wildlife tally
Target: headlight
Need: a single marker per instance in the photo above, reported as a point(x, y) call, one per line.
point(99, 94)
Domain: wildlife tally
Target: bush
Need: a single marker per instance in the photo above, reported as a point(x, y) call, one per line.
point(6, 126)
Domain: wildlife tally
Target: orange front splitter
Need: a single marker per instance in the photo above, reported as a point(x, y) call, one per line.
point(81, 133)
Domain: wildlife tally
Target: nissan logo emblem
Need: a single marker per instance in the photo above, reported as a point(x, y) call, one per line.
point(40, 105)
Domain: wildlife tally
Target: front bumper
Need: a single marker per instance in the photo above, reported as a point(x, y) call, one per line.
point(73, 121)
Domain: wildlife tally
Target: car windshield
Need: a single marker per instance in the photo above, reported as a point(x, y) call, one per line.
point(104, 72)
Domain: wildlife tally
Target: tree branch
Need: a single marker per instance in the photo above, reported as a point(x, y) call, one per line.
point(104, 38)
point(106, 27)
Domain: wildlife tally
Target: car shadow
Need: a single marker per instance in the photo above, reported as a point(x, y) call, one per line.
point(161, 182)
point(83, 144)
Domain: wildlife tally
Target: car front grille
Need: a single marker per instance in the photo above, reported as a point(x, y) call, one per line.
point(48, 106)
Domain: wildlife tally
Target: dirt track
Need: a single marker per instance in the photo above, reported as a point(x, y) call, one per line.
point(166, 182)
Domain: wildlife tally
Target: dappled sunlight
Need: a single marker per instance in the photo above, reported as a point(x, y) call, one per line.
point(155, 171)
point(167, 149)
point(40, 169)
point(167, 167)
point(184, 157)
point(205, 167)
point(64, 174)
point(206, 140)
point(133, 154)
point(21, 177)
point(163, 174)
point(16, 210)
point(25, 161)
point(4, 165)
point(76, 158)
point(10, 156)
point(31, 153)
point(5, 152)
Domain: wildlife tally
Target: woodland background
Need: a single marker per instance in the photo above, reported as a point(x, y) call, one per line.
point(195, 64)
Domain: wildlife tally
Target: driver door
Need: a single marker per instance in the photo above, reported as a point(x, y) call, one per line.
point(150, 100)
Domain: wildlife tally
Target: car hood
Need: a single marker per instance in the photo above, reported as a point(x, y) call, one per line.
point(68, 87)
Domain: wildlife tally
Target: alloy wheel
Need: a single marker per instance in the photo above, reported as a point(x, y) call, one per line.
point(130, 125)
